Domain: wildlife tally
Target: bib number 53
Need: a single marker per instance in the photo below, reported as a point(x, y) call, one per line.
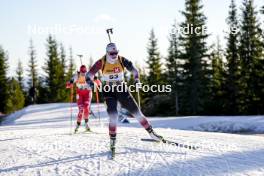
point(113, 76)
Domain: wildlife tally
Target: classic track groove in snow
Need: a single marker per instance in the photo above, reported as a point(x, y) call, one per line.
point(39, 142)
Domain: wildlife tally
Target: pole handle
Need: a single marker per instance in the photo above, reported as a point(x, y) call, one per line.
point(109, 31)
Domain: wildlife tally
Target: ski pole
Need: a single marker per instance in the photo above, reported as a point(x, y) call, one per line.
point(80, 56)
point(138, 85)
point(97, 102)
point(71, 101)
point(109, 31)
point(138, 99)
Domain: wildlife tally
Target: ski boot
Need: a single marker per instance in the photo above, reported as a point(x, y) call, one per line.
point(77, 127)
point(87, 128)
point(112, 145)
point(154, 135)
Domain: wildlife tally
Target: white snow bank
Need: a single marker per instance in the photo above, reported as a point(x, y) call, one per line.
point(12, 117)
point(232, 124)
point(226, 124)
point(230, 127)
point(48, 115)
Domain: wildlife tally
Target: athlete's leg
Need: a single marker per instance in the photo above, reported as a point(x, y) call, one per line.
point(87, 103)
point(128, 102)
point(80, 107)
point(80, 113)
point(111, 104)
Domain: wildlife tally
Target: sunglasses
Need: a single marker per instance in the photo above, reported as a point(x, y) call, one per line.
point(113, 53)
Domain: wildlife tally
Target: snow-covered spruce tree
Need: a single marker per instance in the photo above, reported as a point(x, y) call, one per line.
point(16, 99)
point(32, 74)
point(231, 84)
point(3, 80)
point(173, 73)
point(195, 59)
point(251, 56)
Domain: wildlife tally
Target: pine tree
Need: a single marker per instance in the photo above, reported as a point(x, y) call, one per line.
point(172, 69)
point(195, 59)
point(71, 66)
point(32, 74)
point(231, 84)
point(153, 60)
point(144, 80)
point(42, 93)
point(3, 79)
point(71, 71)
point(63, 59)
point(19, 73)
point(62, 71)
point(53, 70)
point(251, 54)
point(155, 102)
point(16, 99)
point(262, 12)
point(217, 81)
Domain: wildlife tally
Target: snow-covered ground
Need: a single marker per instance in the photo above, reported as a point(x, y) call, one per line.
point(37, 141)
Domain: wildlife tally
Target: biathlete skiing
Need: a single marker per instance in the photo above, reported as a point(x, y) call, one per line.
point(83, 97)
point(112, 67)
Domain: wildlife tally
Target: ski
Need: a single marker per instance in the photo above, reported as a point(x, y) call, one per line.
point(112, 146)
point(176, 144)
point(191, 147)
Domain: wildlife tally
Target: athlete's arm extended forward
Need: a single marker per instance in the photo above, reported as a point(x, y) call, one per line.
point(93, 70)
point(130, 67)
